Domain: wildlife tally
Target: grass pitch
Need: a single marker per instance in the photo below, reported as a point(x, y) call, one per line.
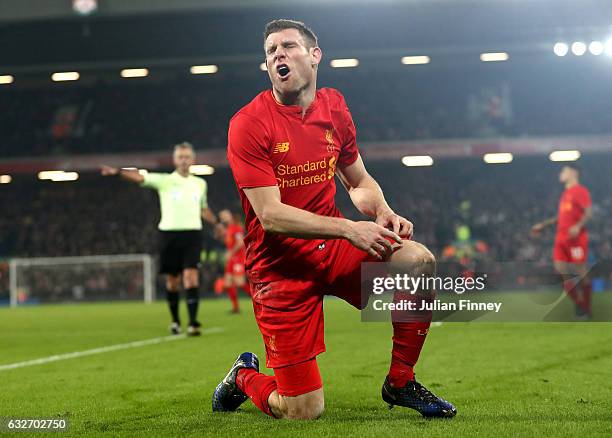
point(505, 379)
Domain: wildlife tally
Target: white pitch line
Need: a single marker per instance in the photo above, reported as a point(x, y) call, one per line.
point(135, 344)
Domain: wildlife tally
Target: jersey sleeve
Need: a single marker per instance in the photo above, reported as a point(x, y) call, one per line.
point(247, 153)
point(348, 151)
point(204, 198)
point(583, 199)
point(153, 180)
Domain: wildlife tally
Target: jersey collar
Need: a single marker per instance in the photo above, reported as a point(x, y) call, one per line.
point(295, 109)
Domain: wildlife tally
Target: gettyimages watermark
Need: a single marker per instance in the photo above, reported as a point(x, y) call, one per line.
point(418, 293)
point(487, 292)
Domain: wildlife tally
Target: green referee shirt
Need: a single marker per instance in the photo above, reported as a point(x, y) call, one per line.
point(181, 198)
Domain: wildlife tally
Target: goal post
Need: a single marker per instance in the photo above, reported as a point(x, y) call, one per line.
point(81, 279)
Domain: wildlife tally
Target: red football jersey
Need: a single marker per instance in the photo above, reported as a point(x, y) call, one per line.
point(270, 144)
point(572, 204)
point(232, 234)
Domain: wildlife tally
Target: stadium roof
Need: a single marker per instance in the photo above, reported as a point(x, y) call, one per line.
point(38, 34)
point(23, 10)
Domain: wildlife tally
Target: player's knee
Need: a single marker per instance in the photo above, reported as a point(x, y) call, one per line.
point(190, 278)
point(306, 414)
point(173, 283)
point(416, 259)
point(308, 409)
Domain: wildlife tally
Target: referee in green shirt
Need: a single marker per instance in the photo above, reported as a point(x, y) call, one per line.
point(182, 198)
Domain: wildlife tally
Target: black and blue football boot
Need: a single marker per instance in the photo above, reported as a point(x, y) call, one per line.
point(227, 396)
point(415, 396)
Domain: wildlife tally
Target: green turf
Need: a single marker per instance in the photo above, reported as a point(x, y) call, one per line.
point(506, 379)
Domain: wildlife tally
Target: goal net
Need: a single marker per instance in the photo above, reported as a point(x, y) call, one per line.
point(81, 279)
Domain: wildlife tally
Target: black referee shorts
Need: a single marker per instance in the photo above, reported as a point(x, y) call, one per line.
point(179, 250)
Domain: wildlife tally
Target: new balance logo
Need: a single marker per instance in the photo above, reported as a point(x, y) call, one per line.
point(281, 147)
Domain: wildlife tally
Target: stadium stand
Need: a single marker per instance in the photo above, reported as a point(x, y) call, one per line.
point(115, 116)
point(504, 200)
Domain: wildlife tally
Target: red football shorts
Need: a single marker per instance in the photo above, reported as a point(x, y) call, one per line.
point(235, 264)
point(571, 250)
point(289, 312)
point(298, 379)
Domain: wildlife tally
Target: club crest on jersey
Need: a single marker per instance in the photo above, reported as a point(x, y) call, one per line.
point(329, 136)
point(281, 147)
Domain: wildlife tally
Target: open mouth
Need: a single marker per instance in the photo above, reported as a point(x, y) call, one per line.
point(283, 71)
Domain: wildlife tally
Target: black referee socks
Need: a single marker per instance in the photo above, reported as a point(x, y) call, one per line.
point(173, 304)
point(193, 299)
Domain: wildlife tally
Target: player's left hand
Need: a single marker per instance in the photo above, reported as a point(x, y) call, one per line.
point(573, 231)
point(394, 222)
point(536, 230)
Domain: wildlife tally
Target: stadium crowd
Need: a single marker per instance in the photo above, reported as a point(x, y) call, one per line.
point(391, 105)
point(96, 215)
point(498, 204)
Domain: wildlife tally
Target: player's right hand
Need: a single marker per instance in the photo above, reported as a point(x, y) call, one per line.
point(373, 239)
point(537, 229)
point(108, 170)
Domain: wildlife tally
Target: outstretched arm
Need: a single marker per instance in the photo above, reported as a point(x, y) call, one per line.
point(279, 218)
point(537, 228)
point(369, 199)
point(126, 174)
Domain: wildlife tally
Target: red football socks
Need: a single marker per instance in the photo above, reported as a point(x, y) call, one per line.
point(233, 294)
point(409, 333)
point(572, 291)
point(408, 339)
point(258, 387)
point(586, 295)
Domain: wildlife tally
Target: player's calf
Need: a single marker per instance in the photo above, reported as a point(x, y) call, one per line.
point(409, 333)
point(299, 394)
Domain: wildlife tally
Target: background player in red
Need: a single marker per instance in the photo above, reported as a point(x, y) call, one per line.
point(284, 149)
point(570, 252)
point(234, 277)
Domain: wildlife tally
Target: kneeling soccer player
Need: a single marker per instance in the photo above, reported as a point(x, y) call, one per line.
point(284, 149)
